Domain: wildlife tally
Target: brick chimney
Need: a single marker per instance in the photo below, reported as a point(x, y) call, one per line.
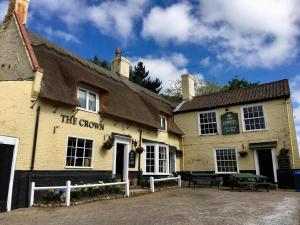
point(187, 86)
point(120, 64)
point(21, 8)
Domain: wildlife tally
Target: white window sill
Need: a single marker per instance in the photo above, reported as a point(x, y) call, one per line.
point(86, 110)
point(226, 172)
point(246, 131)
point(78, 167)
point(157, 174)
point(165, 131)
point(209, 134)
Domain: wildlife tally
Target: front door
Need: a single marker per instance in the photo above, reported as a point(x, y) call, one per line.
point(6, 152)
point(265, 162)
point(120, 160)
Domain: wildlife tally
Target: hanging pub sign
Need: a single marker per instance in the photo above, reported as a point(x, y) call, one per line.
point(230, 123)
point(132, 159)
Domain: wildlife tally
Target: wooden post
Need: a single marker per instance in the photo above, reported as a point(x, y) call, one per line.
point(179, 181)
point(127, 192)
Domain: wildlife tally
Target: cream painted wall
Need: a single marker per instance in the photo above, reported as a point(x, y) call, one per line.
point(17, 119)
point(199, 150)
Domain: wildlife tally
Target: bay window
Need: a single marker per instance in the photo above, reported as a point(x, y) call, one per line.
point(156, 159)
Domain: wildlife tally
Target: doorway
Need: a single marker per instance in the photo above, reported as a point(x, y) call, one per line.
point(8, 151)
point(266, 164)
point(120, 158)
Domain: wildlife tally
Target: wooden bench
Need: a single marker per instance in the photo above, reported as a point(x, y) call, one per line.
point(204, 179)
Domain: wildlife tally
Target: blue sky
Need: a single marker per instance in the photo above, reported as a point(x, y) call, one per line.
point(214, 39)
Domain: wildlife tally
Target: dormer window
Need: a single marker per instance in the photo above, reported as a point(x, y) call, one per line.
point(88, 100)
point(163, 123)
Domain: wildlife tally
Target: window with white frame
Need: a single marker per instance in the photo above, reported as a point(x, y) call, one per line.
point(226, 161)
point(79, 152)
point(162, 159)
point(163, 123)
point(150, 158)
point(156, 159)
point(254, 118)
point(88, 100)
point(208, 123)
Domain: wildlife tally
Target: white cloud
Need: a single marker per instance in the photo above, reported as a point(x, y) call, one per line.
point(115, 18)
point(3, 9)
point(179, 59)
point(249, 33)
point(60, 34)
point(162, 67)
point(205, 61)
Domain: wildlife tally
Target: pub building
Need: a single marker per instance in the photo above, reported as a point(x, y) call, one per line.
point(65, 118)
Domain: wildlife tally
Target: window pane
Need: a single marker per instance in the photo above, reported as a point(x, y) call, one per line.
point(226, 160)
point(208, 123)
point(79, 152)
point(92, 102)
point(254, 118)
point(82, 98)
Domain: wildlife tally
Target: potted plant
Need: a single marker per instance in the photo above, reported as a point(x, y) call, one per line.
point(139, 149)
point(109, 143)
point(243, 153)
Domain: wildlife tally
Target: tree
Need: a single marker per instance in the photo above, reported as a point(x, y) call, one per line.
point(140, 76)
point(209, 88)
point(236, 83)
point(103, 63)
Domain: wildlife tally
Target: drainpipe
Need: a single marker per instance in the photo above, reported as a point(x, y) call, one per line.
point(36, 129)
point(290, 133)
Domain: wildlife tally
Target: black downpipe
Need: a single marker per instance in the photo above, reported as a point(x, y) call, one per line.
point(36, 130)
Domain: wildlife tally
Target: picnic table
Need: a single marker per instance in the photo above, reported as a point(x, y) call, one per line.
point(249, 180)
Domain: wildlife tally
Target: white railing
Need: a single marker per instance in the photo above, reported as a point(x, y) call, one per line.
point(152, 180)
point(69, 187)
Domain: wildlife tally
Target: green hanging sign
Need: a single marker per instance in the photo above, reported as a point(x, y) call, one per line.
point(230, 123)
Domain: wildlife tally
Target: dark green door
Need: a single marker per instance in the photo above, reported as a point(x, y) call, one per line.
point(6, 156)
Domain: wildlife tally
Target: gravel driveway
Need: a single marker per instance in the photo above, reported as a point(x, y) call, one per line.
point(199, 206)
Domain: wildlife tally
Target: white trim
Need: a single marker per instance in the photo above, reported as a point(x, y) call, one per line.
point(217, 121)
point(166, 123)
point(236, 156)
point(175, 163)
point(87, 100)
point(156, 159)
point(274, 162)
point(66, 153)
point(125, 141)
point(243, 118)
point(257, 169)
point(15, 142)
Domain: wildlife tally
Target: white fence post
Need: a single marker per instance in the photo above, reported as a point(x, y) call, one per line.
point(68, 193)
point(152, 184)
point(31, 199)
point(127, 193)
point(179, 181)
